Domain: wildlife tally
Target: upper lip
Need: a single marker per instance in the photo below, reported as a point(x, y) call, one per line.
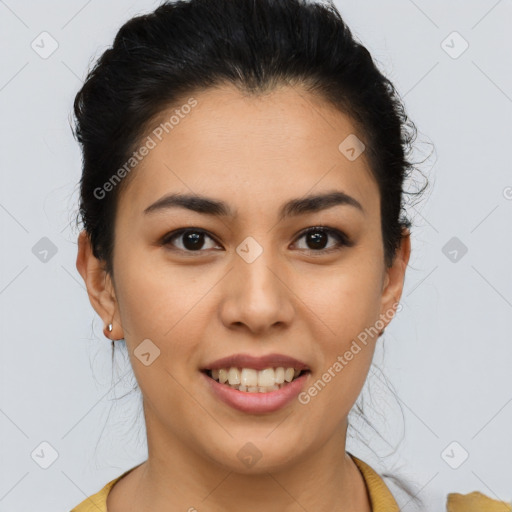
point(257, 363)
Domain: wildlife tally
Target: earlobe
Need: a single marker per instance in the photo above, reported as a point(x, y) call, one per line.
point(98, 282)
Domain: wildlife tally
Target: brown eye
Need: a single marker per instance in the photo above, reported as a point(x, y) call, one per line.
point(192, 239)
point(317, 239)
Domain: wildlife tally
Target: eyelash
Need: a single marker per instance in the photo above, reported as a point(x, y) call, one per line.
point(342, 238)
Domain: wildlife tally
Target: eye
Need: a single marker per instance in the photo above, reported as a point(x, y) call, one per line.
point(317, 237)
point(192, 239)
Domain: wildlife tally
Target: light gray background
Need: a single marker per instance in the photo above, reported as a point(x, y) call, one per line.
point(447, 353)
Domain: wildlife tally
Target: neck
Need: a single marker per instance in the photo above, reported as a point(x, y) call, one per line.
point(177, 477)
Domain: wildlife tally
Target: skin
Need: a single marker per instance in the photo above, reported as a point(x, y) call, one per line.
point(255, 154)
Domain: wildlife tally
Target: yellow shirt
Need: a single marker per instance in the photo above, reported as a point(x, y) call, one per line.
point(381, 498)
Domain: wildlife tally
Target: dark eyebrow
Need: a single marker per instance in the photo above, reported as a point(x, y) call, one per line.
point(208, 206)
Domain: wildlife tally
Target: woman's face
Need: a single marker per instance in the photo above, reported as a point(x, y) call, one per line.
point(248, 280)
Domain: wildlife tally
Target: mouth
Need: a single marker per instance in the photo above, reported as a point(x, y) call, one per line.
point(250, 380)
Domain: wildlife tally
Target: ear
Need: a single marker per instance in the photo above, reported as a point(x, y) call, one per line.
point(394, 278)
point(99, 285)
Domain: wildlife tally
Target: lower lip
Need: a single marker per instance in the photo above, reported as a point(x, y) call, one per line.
point(257, 402)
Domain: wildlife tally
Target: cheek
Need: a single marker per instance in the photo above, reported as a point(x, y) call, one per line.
point(162, 307)
point(345, 300)
point(345, 308)
point(154, 297)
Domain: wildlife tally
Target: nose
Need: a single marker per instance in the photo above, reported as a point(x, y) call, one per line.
point(256, 296)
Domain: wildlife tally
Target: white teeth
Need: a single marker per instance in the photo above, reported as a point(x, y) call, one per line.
point(223, 375)
point(254, 381)
point(233, 376)
point(288, 374)
point(266, 377)
point(248, 377)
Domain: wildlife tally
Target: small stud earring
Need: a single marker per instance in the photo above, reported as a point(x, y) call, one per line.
point(107, 329)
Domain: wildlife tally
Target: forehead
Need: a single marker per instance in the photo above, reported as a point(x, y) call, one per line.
point(251, 151)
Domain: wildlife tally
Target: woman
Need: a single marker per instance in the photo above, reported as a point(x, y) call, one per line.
point(242, 202)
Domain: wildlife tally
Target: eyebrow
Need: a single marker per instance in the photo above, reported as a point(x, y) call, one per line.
point(294, 207)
